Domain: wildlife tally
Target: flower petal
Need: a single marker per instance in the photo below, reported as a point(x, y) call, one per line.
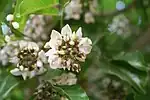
point(22, 44)
point(66, 32)
point(32, 45)
point(85, 41)
point(25, 74)
point(55, 63)
point(32, 74)
point(50, 52)
point(79, 33)
point(39, 63)
point(56, 39)
point(47, 45)
point(86, 49)
point(14, 60)
point(42, 56)
point(16, 72)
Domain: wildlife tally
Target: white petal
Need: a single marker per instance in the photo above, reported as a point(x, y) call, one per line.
point(47, 45)
point(50, 52)
point(85, 49)
point(55, 35)
point(35, 46)
point(39, 63)
point(32, 74)
point(56, 39)
point(14, 60)
point(79, 33)
point(22, 44)
point(85, 41)
point(56, 63)
point(42, 56)
point(16, 72)
point(25, 74)
point(66, 32)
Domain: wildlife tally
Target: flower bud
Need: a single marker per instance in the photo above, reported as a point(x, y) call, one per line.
point(15, 25)
point(10, 17)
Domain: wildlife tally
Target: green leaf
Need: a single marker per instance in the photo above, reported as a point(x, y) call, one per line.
point(2, 41)
point(4, 4)
point(145, 96)
point(137, 79)
point(31, 6)
point(75, 92)
point(135, 59)
point(7, 83)
point(25, 7)
point(64, 2)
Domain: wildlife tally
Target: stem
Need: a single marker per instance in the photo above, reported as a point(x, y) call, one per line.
point(61, 18)
point(62, 13)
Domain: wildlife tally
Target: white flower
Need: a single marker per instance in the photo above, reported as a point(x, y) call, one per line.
point(89, 18)
point(6, 52)
point(37, 24)
point(29, 60)
point(67, 49)
point(15, 25)
point(120, 5)
point(10, 17)
point(73, 10)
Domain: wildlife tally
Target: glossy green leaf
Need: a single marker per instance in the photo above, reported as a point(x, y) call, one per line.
point(7, 83)
point(64, 2)
point(75, 92)
point(144, 96)
point(3, 5)
point(135, 59)
point(31, 6)
point(25, 7)
point(135, 78)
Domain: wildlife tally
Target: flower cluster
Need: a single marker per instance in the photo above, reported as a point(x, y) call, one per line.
point(67, 49)
point(120, 25)
point(46, 91)
point(74, 10)
point(64, 50)
point(36, 25)
point(29, 60)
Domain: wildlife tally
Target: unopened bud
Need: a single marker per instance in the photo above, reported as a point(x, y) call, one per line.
point(10, 17)
point(15, 25)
